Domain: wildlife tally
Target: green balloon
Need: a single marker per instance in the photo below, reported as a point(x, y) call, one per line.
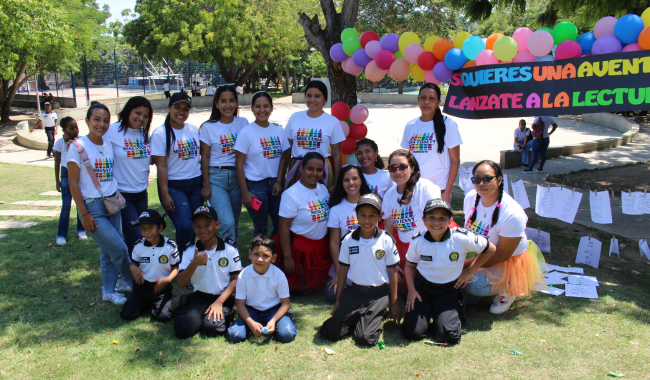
point(564, 31)
point(349, 32)
point(398, 54)
point(351, 45)
point(546, 29)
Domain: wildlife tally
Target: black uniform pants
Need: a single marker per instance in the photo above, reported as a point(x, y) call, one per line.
point(143, 298)
point(440, 302)
point(167, 95)
point(361, 312)
point(191, 318)
point(49, 131)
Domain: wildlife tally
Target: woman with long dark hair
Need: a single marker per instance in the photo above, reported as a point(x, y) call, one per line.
point(434, 140)
point(367, 154)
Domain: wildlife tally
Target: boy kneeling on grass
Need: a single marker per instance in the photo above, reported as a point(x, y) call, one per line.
point(439, 255)
point(154, 264)
point(212, 264)
point(369, 258)
point(263, 297)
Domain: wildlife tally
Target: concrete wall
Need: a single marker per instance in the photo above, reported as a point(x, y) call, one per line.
point(22, 137)
point(22, 100)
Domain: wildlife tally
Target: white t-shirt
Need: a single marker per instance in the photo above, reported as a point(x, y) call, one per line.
point(313, 134)
point(213, 277)
point(343, 216)
point(407, 219)
point(262, 291)
point(369, 259)
point(101, 159)
point(60, 146)
point(184, 160)
point(48, 119)
point(309, 209)
point(165, 86)
point(379, 182)
point(132, 158)
point(521, 135)
point(155, 261)
point(210, 91)
point(184, 89)
point(222, 138)
point(547, 123)
point(512, 220)
point(263, 148)
point(420, 138)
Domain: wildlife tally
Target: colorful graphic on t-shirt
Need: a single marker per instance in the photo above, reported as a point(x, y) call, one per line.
point(422, 142)
point(320, 210)
point(309, 139)
point(187, 149)
point(352, 223)
point(271, 146)
point(104, 169)
point(374, 188)
point(402, 219)
point(479, 228)
point(136, 148)
point(228, 143)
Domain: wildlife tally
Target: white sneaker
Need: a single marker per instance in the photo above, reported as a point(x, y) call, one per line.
point(122, 286)
point(60, 241)
point(82, 235)
point(115, 298)
point(501, 304)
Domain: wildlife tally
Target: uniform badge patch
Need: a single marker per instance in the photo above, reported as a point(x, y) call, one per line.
point(453, 256)
point(223, 262)
point(426, 258)
point(163, 259)
point(144, 260)
point(235, 259)
point(353, 250)
point(379, 254)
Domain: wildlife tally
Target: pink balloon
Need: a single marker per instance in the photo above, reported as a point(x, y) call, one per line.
point(346, 128)
point(358, 114)
point(486, 57)
point(372, 48)
point(521, 36)
point(352, 68)
point(428, 76)
point(504, 62)
point(524, 56)
point(344, 64)
point(540, 43)
point(605, 26)
point(384, 59)
point(400, 69)
point(374, 73)
point(412, 52)
point(632, 47)
point(568, 49)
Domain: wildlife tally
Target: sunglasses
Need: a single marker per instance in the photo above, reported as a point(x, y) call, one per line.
point(485, 180)
point(395, 168)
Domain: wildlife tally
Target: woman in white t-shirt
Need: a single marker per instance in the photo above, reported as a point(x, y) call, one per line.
point(218, 138)
point(423, 136)
point(350, 185)
point(262, 151)
point(403, 204)
point(315, 130)
point(303, 246)
point(104, 229)
point(175, 151)
point(513, 271)
point(367, 154)
point(129, 138)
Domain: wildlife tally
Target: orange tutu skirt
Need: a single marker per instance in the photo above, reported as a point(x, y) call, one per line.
point(312, 260)
point(519, 275)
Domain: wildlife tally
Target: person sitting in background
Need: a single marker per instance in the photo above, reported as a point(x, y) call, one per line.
point(523, 142)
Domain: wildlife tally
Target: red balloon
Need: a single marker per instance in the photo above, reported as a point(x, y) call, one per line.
point(349, 145)
point(358, 131)
point(368, 36)
point(427, 60)
point(341, 111)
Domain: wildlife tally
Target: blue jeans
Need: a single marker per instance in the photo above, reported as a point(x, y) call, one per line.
point(113, 255)
point(539, 149)
point(525, 160)
point(270, 207)
point(474, 291)
point(186, 194)
point(226, 199)
point(66, 197)
point(285, 329)
point(136, 203)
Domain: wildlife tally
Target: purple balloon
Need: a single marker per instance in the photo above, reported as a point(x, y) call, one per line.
point(372, 48)
point(360, 58)
point(441, 72)
point(337, 54)
point(606, 44)
point(390, 42)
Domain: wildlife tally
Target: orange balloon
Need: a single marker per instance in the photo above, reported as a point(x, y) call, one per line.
point(489, 44)
point(343, 159)
point(469, 64)
point(441, 47)
point(644, 39)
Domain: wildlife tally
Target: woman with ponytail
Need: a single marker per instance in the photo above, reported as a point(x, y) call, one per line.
point(434, 140)
point(175, 151)
point(514, 269)
point(367, 154)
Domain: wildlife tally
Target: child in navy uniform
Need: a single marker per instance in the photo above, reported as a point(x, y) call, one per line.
point(439, 255)
point(369, 259)
point(212, 264)
point(154, 264)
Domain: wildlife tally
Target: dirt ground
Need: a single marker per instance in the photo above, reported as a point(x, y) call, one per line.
point(634, 178)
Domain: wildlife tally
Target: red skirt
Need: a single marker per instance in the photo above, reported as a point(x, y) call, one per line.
point(312, 262)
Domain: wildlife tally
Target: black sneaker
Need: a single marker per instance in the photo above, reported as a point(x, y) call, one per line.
point(527, 171)
point(540, 170)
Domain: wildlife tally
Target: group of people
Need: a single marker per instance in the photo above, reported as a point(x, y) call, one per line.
point(537, 140)
point(356, 231)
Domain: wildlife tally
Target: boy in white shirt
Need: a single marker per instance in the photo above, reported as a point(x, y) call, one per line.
point(263, 297)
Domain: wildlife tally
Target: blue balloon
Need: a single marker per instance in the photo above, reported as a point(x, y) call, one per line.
point(586, 41)
point(351, 159)
point(628, 28)
point(472, 46)
point(455, 59)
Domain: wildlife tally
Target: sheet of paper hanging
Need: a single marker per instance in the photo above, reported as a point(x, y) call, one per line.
point(541, 238)
point(519, 193)
point(632, 203)
point(613, 247)
point(601, 208)
point(505, 183)
point(546, 201)
point(570, 202)
point(589, 251)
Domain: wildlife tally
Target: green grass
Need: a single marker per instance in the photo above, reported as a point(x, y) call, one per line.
point(53, 323)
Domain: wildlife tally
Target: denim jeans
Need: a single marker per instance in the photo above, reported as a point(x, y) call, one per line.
point(113, 255)
point(539, 149)
point(474, 291)
point(136, 203)
point(186, 194)
point(227, 200)
point(270, 207)
point(524, 153)
point(49, 132)
point(64, 217)
point(285, 329)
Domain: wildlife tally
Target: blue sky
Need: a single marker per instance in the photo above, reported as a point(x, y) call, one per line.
point(116, 8)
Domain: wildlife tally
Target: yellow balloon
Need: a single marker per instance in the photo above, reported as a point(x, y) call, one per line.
point(417, 73)
point(460, 38)
point(428, 43)
point(646, 17)
point(406, 39)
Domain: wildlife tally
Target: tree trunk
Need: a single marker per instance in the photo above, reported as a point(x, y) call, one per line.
point(287, 87)
point(7, 92)
point(400, 87)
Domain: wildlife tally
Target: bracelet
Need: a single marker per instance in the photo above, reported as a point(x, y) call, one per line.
point(85, 214)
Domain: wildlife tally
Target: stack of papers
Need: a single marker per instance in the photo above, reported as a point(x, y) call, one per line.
point(576, 284)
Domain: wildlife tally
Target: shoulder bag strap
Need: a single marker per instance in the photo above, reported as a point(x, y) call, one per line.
point(88, 165)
